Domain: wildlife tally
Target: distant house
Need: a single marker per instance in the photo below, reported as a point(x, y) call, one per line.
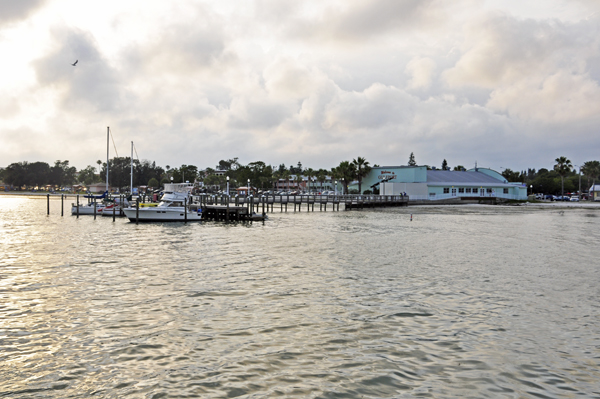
point(98, 188)
point(4, 186)
point(244, 190)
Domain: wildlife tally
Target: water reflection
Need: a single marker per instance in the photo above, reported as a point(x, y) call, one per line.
point(476, 301)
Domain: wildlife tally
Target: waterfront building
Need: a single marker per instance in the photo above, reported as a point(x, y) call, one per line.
point(595, 192)
point(421, 183)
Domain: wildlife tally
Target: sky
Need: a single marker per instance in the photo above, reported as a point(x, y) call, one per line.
point(504, 83)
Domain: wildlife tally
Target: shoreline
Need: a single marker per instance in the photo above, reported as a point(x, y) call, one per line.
point(530, 205)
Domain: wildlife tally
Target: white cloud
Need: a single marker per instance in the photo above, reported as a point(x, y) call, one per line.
point(317, 81)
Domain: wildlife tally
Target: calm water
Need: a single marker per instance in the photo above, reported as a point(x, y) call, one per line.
point(459, 302)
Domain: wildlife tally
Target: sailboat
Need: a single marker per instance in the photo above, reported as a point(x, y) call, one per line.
point(93, 206)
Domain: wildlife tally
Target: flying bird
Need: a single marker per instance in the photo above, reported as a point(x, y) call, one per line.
point(75, 63)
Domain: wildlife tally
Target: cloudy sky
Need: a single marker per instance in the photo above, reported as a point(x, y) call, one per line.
point(507, 83)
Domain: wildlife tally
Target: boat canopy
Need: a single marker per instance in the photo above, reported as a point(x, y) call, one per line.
point(97, 196)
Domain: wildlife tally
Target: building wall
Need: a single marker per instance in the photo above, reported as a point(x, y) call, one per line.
point(401, 174)
point(412, 189)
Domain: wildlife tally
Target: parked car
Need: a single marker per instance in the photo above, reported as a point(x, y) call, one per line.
point(574, 198)
point(549, 197)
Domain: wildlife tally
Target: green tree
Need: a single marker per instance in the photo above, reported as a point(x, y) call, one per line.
point(592, 170)
point(321, 177)
point(185, 173)
point(39, 173)
point(445, 165)
point(411, 160)
point(298, 179)
point(87, 175)
point(361, 170)
point(459, 168)
point(16, 174)
point(309, 173)
point(153, 183)
point(345, 171)
point(562, 167)
point(61, 173)
point(511, 176)
point(286, 175)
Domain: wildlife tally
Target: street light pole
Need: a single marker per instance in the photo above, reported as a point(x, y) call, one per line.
point(579, 192)
point(248, 187)
point(227, 185)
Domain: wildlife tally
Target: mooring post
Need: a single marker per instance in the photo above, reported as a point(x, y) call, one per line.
point(114, 206)
point(95, 203)
point(78, 206)
point(227, 210)
point(263, 205)
point(185, 210)
point(137, 210)
point(62, 205)
point(48, 202)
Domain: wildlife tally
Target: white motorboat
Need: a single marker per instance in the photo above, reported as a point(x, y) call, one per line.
point(175, 206)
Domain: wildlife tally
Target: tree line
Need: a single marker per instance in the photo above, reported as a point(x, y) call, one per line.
point(563, 177)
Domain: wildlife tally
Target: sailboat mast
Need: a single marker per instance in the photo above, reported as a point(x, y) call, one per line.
point(107, 146)
point(131, 190)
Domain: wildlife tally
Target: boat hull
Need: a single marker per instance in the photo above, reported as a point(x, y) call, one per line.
point(87, 209)
point(108, 211)
point(158, 214)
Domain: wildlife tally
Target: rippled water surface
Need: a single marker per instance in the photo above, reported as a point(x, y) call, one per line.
point(459, 302)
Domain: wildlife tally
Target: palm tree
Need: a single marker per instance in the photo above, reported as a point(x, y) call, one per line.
point(309, 173)
point(563, 167)
point(346, 172)
point(298, 179)
point(321, 177)
point(99, 162)
point(276, 177)
point(285, 175)
point(592, 170)
point(362, 169)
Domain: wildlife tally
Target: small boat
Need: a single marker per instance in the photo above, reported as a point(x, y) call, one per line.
point(115, 207)
point(88, 209)
point(176, 205)
point(93, 206)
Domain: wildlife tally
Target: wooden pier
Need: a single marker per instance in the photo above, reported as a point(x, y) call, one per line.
point(223, 207)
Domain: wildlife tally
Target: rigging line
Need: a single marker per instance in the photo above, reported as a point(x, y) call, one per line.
point(113, 140)
point(136, 154)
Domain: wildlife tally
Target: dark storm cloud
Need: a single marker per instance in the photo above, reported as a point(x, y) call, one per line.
point(14, 10)
point(92, 84)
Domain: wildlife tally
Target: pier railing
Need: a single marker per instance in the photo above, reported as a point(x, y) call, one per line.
point(305, 201)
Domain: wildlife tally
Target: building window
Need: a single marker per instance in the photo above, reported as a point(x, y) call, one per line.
point(489, 190)
point(475, 190)
point(461, 190)
point(432, 194)
point(468, 190)
point(446, 190)
point(506, 191)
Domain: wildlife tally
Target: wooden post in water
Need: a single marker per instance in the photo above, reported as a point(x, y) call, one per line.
point(48, 202)
point(185, 210)
point(114, 206)
point(95, 203)
point(62, 205)
point(227, 210)
point(137, 210)
point(263, 206)
point(77, 206)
